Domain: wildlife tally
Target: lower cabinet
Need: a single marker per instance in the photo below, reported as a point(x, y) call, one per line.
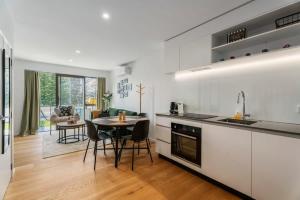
point(276, 167)
point(163, 140)
point(226, 156)
point(163, 133)
point(163, 148)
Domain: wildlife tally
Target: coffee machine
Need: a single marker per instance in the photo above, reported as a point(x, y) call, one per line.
point(173, 108)
point(176, 108)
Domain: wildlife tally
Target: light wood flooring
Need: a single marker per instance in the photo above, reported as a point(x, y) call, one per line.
point(67, 177)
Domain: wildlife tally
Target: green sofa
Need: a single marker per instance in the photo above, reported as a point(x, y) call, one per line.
point(114, 112)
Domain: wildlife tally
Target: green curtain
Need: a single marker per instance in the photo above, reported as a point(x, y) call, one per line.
point(100, 92)
point(31, 107)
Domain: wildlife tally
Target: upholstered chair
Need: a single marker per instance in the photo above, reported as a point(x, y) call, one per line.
point(60, 115)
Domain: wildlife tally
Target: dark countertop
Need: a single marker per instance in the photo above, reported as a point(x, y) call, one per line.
point(287, 129)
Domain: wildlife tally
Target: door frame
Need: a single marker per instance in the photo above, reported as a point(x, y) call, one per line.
point(3, 67)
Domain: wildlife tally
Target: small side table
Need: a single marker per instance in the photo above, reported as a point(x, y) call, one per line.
point(62, 128)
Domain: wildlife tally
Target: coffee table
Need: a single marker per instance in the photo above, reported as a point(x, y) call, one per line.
point(63, 138)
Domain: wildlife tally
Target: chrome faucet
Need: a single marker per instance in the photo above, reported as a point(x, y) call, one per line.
point(242, 93)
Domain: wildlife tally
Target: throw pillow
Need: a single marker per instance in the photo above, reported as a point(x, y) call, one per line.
point(65, 110)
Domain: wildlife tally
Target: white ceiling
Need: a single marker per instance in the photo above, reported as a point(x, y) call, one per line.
point(51, 30)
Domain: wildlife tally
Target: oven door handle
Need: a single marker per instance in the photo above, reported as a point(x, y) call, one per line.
point(187, 136)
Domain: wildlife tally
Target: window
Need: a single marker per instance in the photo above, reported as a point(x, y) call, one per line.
point(90, 96)
point(47, 99)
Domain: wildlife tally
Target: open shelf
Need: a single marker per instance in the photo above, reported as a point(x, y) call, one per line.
point(265, 37)
point(262, 34)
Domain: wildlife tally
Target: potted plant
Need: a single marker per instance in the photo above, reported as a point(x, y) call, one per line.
point(107, 100)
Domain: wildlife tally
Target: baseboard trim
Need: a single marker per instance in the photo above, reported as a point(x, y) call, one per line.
point(208, 179)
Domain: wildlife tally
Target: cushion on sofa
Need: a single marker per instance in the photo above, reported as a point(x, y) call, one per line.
point(113, 111)
point(65, 110)
point(130, 113)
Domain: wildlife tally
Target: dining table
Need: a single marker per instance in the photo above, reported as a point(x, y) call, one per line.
point(114, 122)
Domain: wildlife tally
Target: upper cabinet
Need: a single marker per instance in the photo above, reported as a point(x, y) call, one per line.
point(187, 55)
point(275, 31)
point(270, 32)
point(196, 53)
point(171, 57)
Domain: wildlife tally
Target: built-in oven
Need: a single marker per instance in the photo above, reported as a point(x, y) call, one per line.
point(186, 142)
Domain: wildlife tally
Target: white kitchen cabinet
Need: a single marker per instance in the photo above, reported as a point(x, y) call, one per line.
point(163, 133)
point(226, 156)
point(163, 137)
point(163, 121)
point(171, 57)
point(196, 53)
point(276, 167)
point(163, 148)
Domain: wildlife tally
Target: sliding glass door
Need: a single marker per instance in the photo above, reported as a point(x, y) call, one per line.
point(90, 96)
point(47, 99)
point(71, 92)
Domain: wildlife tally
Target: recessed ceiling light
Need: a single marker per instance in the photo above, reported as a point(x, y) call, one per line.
point(77, 51)
point(105, 16)
point(70, 60)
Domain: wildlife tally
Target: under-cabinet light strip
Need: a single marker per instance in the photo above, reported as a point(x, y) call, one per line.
point(260, 62)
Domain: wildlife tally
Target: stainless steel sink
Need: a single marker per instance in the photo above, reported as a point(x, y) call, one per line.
point(237, 121)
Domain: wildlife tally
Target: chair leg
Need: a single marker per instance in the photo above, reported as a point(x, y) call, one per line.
point(87, 147)
point(112, 142)
point(122, 146)
point(95, 159)
point(50, 128)
point(138, 148)
point(104, 147)
point(149, 150)
point(148, 143)
point(132, 161)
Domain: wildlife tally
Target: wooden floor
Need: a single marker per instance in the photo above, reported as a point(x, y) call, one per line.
point(67, 177)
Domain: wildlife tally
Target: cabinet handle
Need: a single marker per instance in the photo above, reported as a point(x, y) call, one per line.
point(162, 141)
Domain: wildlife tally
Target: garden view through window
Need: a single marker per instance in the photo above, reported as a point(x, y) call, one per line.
point(66, 90)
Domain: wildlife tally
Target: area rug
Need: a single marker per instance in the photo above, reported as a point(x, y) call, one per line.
point(51, 148)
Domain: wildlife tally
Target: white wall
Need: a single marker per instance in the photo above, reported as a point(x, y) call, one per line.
point(146, 70)
point(21, 65)
point(272, 94)
point(6, 27)
point(6, 21)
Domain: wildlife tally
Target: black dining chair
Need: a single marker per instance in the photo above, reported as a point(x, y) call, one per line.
point(130, 129)
point(139, 134)
point(96, 136)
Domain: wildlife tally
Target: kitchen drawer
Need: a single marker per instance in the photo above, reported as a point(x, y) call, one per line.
point(163, 121)
point(163, 133)
point(163, 148)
